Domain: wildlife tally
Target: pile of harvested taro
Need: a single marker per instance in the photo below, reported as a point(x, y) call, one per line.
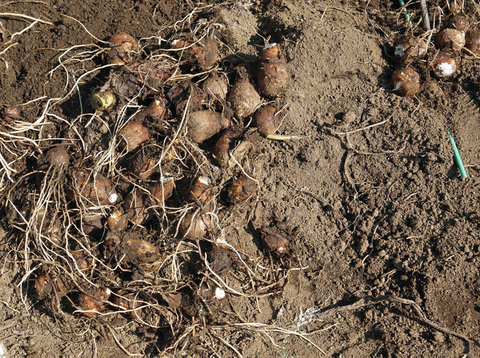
point(119, 211)
point(444, 54)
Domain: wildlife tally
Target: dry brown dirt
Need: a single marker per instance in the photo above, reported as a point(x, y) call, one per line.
point(387, 253)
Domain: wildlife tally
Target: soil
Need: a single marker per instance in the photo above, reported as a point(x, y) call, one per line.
point(384, 253)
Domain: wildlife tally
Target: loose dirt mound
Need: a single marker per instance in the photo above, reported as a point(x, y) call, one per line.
point(384, 251)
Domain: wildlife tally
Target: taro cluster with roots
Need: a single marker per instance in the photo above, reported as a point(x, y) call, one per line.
point(442, 53)
point(121, 213)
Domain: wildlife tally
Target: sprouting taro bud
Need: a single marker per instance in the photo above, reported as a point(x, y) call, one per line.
point(472, 41)
point(219, 293)
point(450, 39)
point(273, 76)
point(89, 305)
point(409, 48)
point(123, 48)
point(157, 108)
point(133, 135)
point(103, 101)
point(276, 243)
point(406, 81)
point(203, 125)
point(445, 63)
point(42, 286)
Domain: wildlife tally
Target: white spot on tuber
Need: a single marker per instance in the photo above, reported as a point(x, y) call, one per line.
point(399, 50)
point(444, 69)
point(113, 198)
point(219, 293)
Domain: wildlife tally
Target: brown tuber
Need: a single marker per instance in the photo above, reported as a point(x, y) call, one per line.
point(406, 81)
point(143, 166)
point(133, 135)
point(117, 220)
point(162, 190)
point(123, 48)
point(220, 151)
point(195, 225)
point(274, 240)
point(203, 125)
point(216, 86)
point(136, 207)
point(186, 93)
point(10, 114)
point(409, 48)
point(202, 54)
point(243, 96)
point(458, 22)
point(242, 188)
point(455, 6)
point(273, 76)
point(472, 41)
point(445, 63)
point(58, 156)
point(267, 120)
point(141, 251)
point(95, 188)
point(450, 39)
point(42, 286)
point(92, 304)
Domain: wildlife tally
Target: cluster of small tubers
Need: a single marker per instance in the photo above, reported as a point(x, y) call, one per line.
point(443, 58)
point(159, 110)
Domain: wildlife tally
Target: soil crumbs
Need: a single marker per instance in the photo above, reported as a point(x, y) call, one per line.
point(386, 256)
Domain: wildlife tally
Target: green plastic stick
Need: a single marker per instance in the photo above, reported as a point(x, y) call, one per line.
point(405, 12)
point(463, 172)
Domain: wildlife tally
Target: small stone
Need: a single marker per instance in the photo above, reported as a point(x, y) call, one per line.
point(414, 333)
point(431, 157)
point(438, 337)
point(363, 245)
point(349, 117)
